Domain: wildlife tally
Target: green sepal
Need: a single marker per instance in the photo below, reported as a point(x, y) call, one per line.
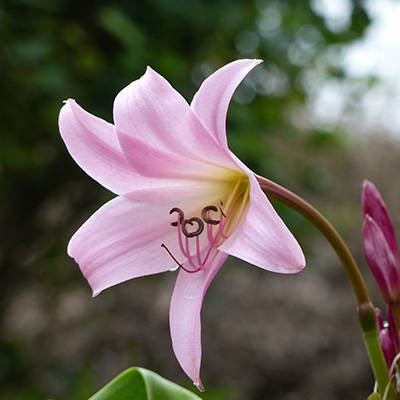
point(142, 384)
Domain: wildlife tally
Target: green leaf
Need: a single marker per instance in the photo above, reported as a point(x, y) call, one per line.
point(374, 396)
point(142, 384)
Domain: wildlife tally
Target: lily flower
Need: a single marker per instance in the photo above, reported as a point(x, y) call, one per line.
point(184, 200)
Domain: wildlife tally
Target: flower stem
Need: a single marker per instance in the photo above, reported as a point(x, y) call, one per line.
point(365, 308)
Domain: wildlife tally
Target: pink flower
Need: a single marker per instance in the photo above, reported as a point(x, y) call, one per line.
point(388, 339)
point(184, 199)
point(383, 258)
point(380, 244)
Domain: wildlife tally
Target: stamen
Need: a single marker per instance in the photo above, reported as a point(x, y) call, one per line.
point(185, 249)
point(230, 224)
point(232, 193)
point(181, 215)
point(228, 221)
point(236, 221)
point(210, 233)
point(179, 264)
point(220, 204)
point(212, 246)
point(190, 257)
point(190, 221)
point(204, 215)
point(185, 254)
point(200, 254)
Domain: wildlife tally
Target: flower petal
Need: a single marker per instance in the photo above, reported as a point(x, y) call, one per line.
point(381, 260)
point(393, 332)
point(122, 240)
point(185, 323)
point(387, 346)
point(161, 135)
point(211, 101)
point(264, 240)
point(93, 143)
point(379, 318)
point(374, 206)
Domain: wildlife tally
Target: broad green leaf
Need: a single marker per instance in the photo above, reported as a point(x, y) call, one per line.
point(142, 384)
point(374, 396)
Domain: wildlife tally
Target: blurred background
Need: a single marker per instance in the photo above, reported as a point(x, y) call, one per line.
point(318, 116)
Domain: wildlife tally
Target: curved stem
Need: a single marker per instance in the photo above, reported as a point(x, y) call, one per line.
point(365, 308)
point(277, 192)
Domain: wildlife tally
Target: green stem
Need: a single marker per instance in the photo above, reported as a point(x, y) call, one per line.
point(365, 308)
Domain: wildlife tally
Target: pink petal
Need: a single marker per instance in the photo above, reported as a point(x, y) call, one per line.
point(93, 143)
point(122, 240)
point(213, 97)
point(264, 240)
point(387, 346)
point(379, 318)
point(160, 134)
point(393, 331)
point(381, 260)
point(374, 206)
point(185, 324)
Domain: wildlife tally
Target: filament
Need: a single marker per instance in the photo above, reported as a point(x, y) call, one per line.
point(231, 211)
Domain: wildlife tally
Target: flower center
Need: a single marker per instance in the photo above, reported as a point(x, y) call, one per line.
point(200, 236)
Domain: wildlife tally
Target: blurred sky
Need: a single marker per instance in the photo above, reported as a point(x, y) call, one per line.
point(368, 100)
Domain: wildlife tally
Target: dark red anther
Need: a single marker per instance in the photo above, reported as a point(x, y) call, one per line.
point(220, 204)
point(181, 215)
point(204, 215)
point(190, 221)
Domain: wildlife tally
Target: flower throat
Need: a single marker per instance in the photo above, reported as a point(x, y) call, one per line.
point(217, 222)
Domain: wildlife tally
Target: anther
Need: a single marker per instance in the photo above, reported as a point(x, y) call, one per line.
point(181, 215)
point(204, 215)
point(220, 204)
point(190, 221)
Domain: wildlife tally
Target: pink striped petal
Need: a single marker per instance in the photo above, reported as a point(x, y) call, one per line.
point(374, 206)
point(93, 143)
point(160, 134)
point(264, 240)
point(121, 241)
point(185, 323)
point(381, 260)
point(212, 100)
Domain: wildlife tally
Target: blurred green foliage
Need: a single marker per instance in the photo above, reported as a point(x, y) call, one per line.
point(89, 50)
